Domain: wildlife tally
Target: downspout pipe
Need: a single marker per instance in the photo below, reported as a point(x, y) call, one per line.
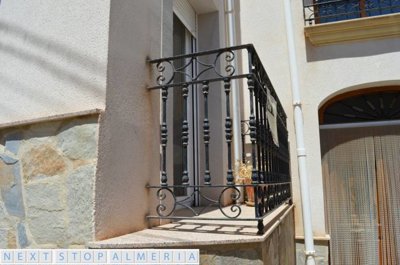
point(301, 150)
point(231, 41)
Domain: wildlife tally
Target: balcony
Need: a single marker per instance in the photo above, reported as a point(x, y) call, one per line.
point(339, 21)
point(325, 11)
point(206, 195)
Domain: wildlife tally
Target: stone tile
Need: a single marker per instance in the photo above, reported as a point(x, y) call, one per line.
point(53, 163)
point(7, 175)
point(23, 241)
point(47, 227)
point(46, 246)
point(3, 238)
point(7, 157)
point(42, 160)
point(12, 194)
point(80, 198)
point(11, 239)
point(13, 142)
point(3, 215)
point(78, 141)
point(45, 195)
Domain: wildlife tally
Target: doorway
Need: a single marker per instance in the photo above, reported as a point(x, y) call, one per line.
point(184, 43)
point(362, 193)
point(361, 162)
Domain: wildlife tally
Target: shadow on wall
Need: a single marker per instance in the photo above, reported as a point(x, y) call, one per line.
point(351, 50)
point(55, 59)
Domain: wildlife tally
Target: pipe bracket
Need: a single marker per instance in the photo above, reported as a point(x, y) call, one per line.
point(296, 103)
point(301, 152)
point(310, 253)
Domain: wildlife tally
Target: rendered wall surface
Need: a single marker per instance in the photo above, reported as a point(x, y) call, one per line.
point(129, 153)
point(278, 248)
point(323, 72)
point(53, 57)
point(47, 173)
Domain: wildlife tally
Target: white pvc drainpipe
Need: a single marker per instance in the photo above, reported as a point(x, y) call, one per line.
point(231, 41)
point(301, 151)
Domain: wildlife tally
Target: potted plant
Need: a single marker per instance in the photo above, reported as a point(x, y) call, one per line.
point(243, 176)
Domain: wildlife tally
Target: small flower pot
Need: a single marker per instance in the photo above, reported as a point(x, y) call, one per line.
point(249, 193)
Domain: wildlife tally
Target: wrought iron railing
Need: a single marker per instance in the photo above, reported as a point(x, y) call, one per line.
point(324, 11)
point(270, 175)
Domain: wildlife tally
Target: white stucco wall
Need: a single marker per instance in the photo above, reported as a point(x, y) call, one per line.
point(324, 72)
point(129, 151)
point(53, 57)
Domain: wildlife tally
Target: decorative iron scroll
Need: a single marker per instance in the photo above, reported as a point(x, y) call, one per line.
point(167, 71)
point(268, 197)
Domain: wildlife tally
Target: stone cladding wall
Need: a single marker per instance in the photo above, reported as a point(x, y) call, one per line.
point(47, 174)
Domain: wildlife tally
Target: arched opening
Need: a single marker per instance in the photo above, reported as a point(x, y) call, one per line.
point(365, 105)
point(360, 147)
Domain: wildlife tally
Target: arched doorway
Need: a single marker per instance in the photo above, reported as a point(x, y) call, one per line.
point(360, 147)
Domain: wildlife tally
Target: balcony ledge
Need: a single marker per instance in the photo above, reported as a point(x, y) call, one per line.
point(198, 233)
point(369, 28)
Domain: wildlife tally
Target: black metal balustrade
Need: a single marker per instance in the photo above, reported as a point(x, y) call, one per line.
point(324, 11)
point(270, 176)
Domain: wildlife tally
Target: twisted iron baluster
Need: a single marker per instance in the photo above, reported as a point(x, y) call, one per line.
point(228, 131)
point(253, 130)
point(263, 131)
point(276, 163)
point(206, 128)
point(270, 158)
point(257, 97)
point(243, 129)
point(185, 135)
point(164, 136)
point(264, 135)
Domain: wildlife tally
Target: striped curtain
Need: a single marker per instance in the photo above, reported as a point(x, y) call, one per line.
point(362, 194)
point(387, 151)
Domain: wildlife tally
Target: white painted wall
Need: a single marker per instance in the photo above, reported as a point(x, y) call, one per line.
point(61, 59)
point(53, 57)
point(129, 151)
point(324, 72)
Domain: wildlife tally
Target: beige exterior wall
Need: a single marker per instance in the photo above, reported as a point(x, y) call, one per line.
point(100, 68)
point(53, 83)
point(103, 66)
point(129, 135)
point(129, 151)
point(49, 67)
point(324, 72)
point(277, 248)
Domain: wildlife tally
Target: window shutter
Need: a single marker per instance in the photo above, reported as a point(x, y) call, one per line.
point(185, 12)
